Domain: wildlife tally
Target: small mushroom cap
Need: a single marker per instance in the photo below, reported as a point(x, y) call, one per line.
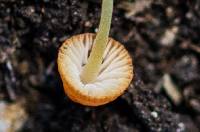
point(115, 74)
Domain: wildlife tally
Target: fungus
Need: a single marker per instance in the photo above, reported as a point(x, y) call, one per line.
point(95, 69)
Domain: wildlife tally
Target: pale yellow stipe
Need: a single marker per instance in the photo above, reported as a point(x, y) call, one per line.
point(91, 69)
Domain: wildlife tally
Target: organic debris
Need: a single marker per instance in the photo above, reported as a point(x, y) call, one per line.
point(133, 8)
point(171, 89)
point(12, 116)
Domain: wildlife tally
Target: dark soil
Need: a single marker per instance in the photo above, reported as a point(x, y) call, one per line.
point(31, 32)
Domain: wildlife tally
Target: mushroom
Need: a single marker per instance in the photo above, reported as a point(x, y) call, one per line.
point(95, 69)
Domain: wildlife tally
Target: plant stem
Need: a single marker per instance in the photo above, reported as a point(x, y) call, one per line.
point(91, 69)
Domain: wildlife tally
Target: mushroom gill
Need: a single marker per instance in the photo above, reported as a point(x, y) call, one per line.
point(116, 70)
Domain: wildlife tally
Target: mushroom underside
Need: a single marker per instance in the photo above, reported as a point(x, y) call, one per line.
point(115, 73)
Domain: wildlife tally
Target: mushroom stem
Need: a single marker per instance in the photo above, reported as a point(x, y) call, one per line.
point(91, 69)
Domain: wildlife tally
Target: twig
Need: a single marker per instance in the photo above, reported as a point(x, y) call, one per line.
point(171, 89)
point(10, 82)
point(134, 8)
point(186, 45)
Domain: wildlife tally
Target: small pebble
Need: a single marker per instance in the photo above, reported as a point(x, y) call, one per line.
point(181, 127)
point(169, 36)
point(170, 12)
point(75, 13)
point(88, 24)
point(154, 114)
point(96, 30)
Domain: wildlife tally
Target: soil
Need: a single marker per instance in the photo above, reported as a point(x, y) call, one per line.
point(162, 39)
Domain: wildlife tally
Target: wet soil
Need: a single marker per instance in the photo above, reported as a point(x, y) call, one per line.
point(162, 39)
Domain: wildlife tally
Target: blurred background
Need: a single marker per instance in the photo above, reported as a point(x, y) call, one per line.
point(162, 36)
